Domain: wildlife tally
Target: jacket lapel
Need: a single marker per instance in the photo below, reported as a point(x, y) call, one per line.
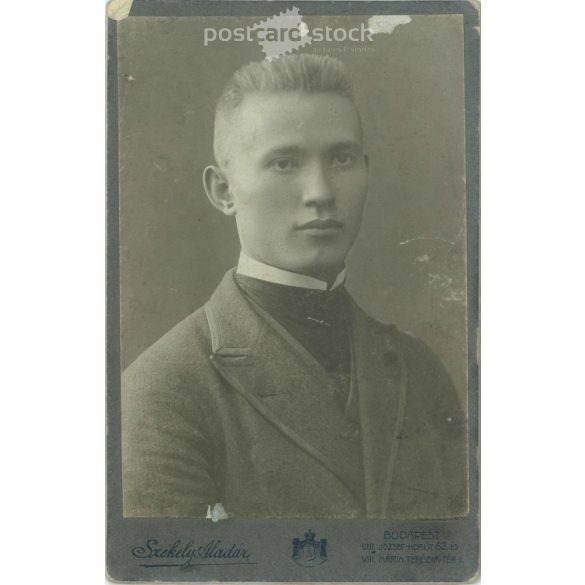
point(278, 377)
point(380, 374)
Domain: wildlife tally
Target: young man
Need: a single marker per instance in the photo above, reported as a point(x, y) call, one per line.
point(280, 397)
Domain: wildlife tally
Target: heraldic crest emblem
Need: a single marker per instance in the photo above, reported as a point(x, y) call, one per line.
point(309, 552)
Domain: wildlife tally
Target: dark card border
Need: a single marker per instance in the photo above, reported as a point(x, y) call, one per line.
point(121, 534)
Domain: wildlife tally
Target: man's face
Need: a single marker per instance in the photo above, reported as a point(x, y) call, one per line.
point(298, 177)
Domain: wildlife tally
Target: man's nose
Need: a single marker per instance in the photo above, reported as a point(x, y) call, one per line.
point(317, 188)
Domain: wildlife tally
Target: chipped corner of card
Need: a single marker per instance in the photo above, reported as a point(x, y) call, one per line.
point(119, 9)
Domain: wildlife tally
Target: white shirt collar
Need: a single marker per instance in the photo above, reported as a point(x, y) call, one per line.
point(249, 267)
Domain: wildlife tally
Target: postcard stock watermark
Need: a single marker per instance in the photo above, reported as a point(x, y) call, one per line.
point(287, 32)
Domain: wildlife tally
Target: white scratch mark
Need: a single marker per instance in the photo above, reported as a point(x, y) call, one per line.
point(425, 238)
point(459, 234)
point(385, 24)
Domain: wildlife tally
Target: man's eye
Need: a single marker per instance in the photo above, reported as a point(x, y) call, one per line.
point(343, 159)
point(284, 164)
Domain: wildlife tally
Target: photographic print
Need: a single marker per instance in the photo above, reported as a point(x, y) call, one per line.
point(293, 235)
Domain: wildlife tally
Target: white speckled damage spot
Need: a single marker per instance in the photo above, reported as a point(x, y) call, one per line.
point(454, 296)
point(443, 283)
point(424, 258)
point(216, 513)
point(385, 24)
point(439, 280)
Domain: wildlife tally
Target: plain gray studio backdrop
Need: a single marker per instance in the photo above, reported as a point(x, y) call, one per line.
point(408, 264)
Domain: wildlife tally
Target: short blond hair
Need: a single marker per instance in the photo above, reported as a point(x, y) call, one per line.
point(299, 72)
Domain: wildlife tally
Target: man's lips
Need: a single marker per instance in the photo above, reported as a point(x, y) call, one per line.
point(321, 224)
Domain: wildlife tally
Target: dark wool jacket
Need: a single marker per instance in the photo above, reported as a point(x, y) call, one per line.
point(229, 408)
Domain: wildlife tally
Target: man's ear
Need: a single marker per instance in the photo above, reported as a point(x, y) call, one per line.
point(218, 190)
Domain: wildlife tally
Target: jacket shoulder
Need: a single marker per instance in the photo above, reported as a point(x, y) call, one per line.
point(181, 348)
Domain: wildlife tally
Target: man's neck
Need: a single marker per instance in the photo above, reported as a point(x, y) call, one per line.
point(255, 269)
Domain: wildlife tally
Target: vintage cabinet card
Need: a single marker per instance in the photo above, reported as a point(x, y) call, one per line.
point(293, 194)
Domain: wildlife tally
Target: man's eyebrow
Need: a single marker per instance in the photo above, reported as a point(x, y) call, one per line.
point(345, 145)
point(282, 151)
